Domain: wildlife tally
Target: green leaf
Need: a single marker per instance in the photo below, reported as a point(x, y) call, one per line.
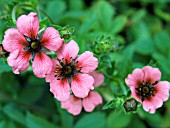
point(105, 13)
point(9, 83)
point(108, 105)
point(137, 123)
point(33, 121)
point(105, 61)
point(36, 92)
point(118, 24)
point(162, 60)
point(154, 120)
point(138, 15)
point(96, 119)
point(161, 40)
point(4, 67)
point(144, 46)
point(66, 118)
point(118, 120)
point(87, 25)
point(164, 15)
point(76, 4)
point(15, 114)
point(141, 31)
point(55, 9)
point(44, 23)
point(7, 124)
point(115, 104)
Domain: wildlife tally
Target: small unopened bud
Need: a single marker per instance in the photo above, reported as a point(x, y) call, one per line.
point(1, 51)
point(66, 34)
point(130, 105)
point(106, 45)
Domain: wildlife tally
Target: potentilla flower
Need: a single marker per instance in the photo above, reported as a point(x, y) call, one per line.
point(25, 43)
point(70, 72)
point(147, 89)
point(74, 105)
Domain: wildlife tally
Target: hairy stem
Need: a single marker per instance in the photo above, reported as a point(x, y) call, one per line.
point(15, 9)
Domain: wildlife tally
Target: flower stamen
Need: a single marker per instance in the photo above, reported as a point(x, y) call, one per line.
point(66, 69)
point(146, 90)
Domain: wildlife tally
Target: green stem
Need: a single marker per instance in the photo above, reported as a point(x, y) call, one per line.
point(51, 21)
point(15, 9)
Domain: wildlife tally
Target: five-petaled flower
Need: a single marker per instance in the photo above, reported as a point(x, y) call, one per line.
point(25, 43)
point(147, 89)
point(74, 105)
point(70, 72)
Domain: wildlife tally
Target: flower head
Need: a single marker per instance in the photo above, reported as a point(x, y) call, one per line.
point(71, 70)
point(25, 43)
point(74, 105)
point(147, 89)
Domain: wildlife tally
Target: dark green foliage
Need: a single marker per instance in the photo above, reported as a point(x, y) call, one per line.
point(123, 34)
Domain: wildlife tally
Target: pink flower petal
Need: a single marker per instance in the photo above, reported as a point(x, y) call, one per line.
point(68, 50)
point(73, 105)
point(42, 65)
point(162, 90)
point(91, 101)
point(148, 106)
point(98, 78)
point(135, 79)
point(134, 94)
point(51, 39)
point(151, 75)
point(88, 62)
point(13, 40)
point(19, 60)
point(81, 85)
point(51, 76)
point(28, 25)
point(60, 89)
point(152, 104)
point(152, 111)
point(156, 101)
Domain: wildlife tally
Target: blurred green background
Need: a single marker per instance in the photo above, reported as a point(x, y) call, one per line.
point(141, 29)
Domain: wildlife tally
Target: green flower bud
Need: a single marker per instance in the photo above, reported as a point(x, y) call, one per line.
point(130, 105)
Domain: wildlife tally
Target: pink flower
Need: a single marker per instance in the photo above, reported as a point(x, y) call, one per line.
point(74, 105)
point(71, 70)
point(25, 43)
point(147, 89)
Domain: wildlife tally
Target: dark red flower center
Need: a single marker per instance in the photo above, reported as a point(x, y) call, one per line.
point(146, 90)
point(66, 70)
point(34, 45)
